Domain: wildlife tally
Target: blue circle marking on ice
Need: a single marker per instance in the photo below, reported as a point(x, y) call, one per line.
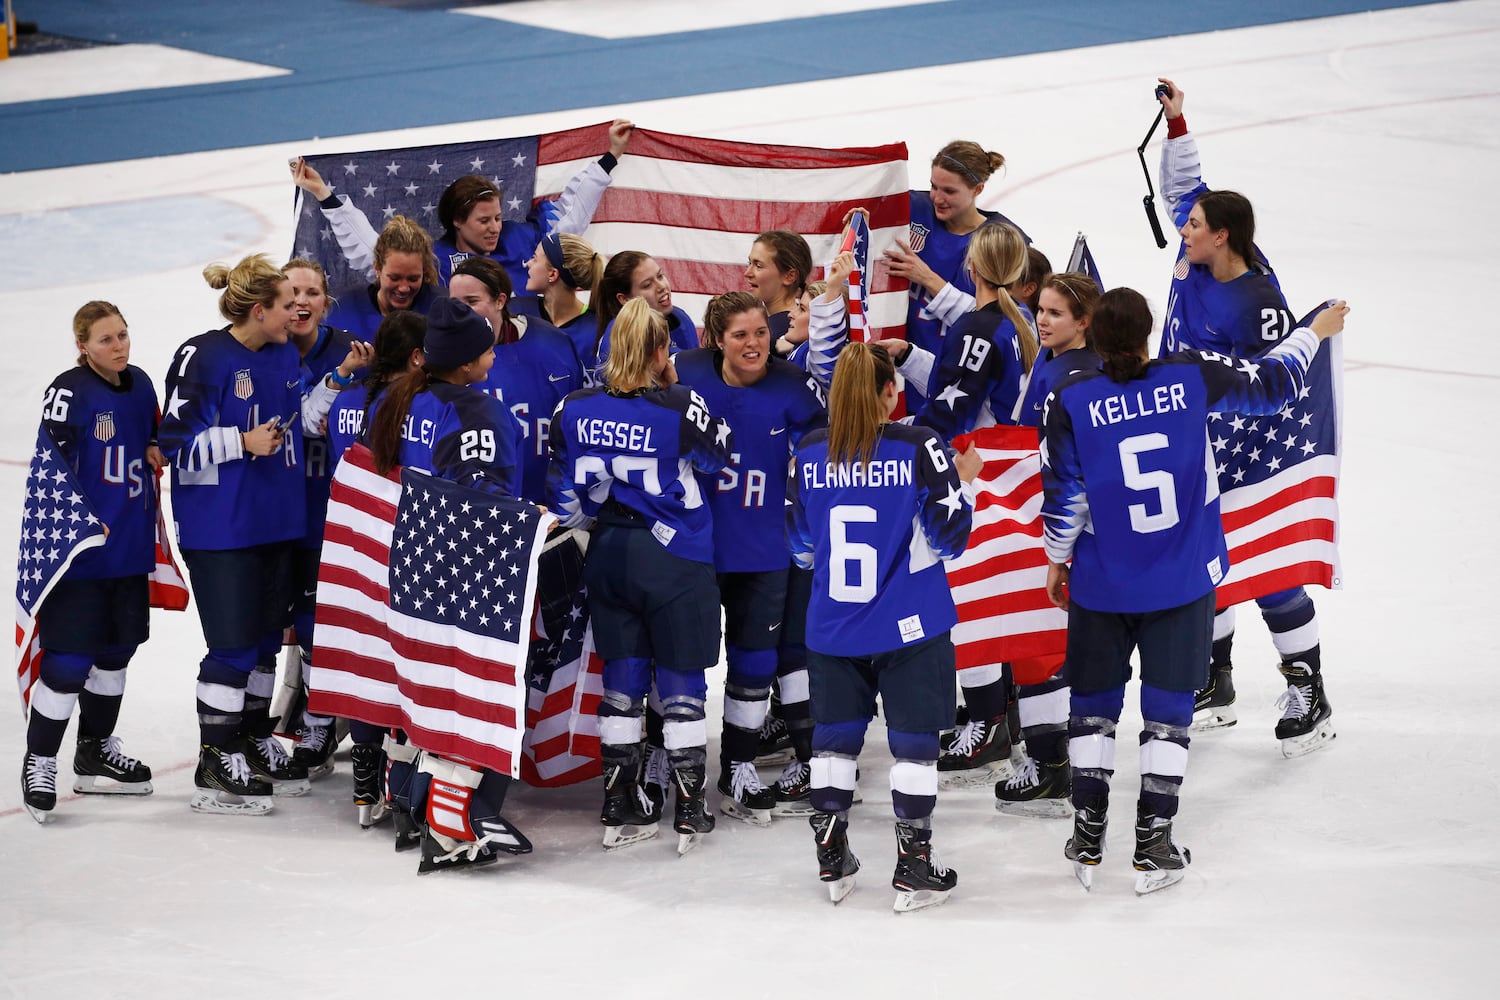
point(97, 242)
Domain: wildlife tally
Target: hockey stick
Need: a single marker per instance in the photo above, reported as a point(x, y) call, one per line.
point(1150, 200)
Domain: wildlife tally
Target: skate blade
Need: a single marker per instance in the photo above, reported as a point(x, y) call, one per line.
point(94, 784)
point(778, 759)
point(786, 809)
point(209, 801)
point(1147, 882)
point(1301, 746)
point(983, 776)
point(1213, 718)
point(295, 788)
point(1037, 808)
point(456, 861)
point(742, 812)
point(372, 814)
point(322, 770)
point(839, 889)
point(42, 816)
point(616, 837)
point(687, 842)
point(918, 899)
point(1085, 874)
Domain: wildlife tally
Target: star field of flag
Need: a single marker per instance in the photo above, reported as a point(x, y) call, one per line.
point(461, 559)
point(1250, 450)
point(57, 523)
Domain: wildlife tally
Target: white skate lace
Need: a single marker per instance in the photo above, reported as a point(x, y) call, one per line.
point(793, 775)
point(938, 868)
point(1025, 776)
point(1295, 701)
point(274, 753)
point(114, 753)
point(968, 739)
point(658, 767)
point(745, 780)
point(772, 725)
point(41, 773)
point(314, 738)
point(237, 766)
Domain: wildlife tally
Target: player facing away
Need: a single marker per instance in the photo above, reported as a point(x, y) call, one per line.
point(626, 456)
point(101, 413)
point(875, 509)
point(1226, 298)
point(1136, 546)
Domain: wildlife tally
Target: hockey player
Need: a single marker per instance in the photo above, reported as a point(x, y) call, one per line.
point(625, 458)
point(232, 429)
point(1136, 546)
point(470, 214)
point(405, 278)
point(329, 357)
point(770, 404)
point(875, 509)
point(560, 266)
point(1041, 784)
point(1226, 298)
point(631, 274)
point(436, 420)
point(101, 413)
point(777, 271)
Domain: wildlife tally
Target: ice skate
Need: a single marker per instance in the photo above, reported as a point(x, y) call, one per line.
point(658, 777)
point(314, 750)
point(629, 815)
point(39, 785)
point(101, 767)
point(836, 862)
point(269, 759)
point(442, 854)
point(1086, 847)
point(794, 791)
point(408, 831)
point(1160, 862)
point(692, 819)
point(744, 797)
point(1306, 717)
point(1213, 708)
point(978, 754)
point(1037, 788)
point(369, 797)
point(921, 880)
point(500, 835)
point(775, 739)
point(225, 784)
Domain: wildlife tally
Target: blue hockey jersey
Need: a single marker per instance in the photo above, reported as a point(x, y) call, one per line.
point(875, 537)
point(531, 377)
point(358, 312)
point(978, 377)
point(1047, 371)
point(331, 347)
point(223, 497)
point(769, 418)
point(458, 433)
point(642, 450)
point(103, 432)
point(1131, 492)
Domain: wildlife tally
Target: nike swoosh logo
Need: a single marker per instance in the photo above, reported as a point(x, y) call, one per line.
point(778, 430)
point(557, 378)
point(776, 626)
point(310, 593)
point(294, 383)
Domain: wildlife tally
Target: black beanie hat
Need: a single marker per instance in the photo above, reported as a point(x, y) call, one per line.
point(456, 334)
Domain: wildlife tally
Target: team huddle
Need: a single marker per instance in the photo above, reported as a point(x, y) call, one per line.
point(743, 491)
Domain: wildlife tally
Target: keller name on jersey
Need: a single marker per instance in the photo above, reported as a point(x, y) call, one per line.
point(615, 434)
point(829, 475)
point(1129, 405)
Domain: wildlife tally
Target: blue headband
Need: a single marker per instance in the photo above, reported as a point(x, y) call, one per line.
point(552, 247)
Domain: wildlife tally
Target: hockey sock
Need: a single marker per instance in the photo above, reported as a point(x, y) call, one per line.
point(654, 721)
point(222, 676)
point(1091, 744)
point(796, 700)
point(259, 687)
point(99, 702)
point(1293, 621)
point(309, 720)
point(984, 691)
point(1164, 747)
point(620, 725)
point(914, 776)
point(747, 693)
point(1043, 711)
point(684, 728)
point(401, 759)
point(364, 732)
point(834, 764)
point(53, 696)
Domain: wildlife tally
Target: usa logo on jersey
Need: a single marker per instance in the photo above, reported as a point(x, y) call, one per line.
point(916, 236)
point(1180, 272)
point(243, 387)
point(104, 426)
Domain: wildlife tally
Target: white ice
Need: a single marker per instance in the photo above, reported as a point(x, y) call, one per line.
point(1365, 870)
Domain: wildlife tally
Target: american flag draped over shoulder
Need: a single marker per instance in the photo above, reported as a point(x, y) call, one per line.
point(1279, 478)
point(424, 606)
point(1000, 582)
point(695, 204)
point(57, 525)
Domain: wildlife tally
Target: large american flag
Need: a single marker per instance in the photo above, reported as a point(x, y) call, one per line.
point(425, 596)
point(562, 709)
point(57, 524)
point(1278, 478)
point(695, 204)
point(999, 583)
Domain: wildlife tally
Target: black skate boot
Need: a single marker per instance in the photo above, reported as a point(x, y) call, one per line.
point(226, 784)
point(1086, 847)
point(439, 854)
point(1037, 788)
point(269, 759)
point(692, 818)
point(369, 795)
point(744, 797)
point(39, 785)
point(978, 754)
point(314, 750)
point(793, 791)
point(629, 814)
point(1213, 708)
point(921, 880)
point(836, 863)
point(1307, 717)
point(1160, 862)
point(102, 767)
point(775, 739)
point(656, 777)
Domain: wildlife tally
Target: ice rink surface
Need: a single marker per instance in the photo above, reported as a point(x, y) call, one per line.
point(1366, 870)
